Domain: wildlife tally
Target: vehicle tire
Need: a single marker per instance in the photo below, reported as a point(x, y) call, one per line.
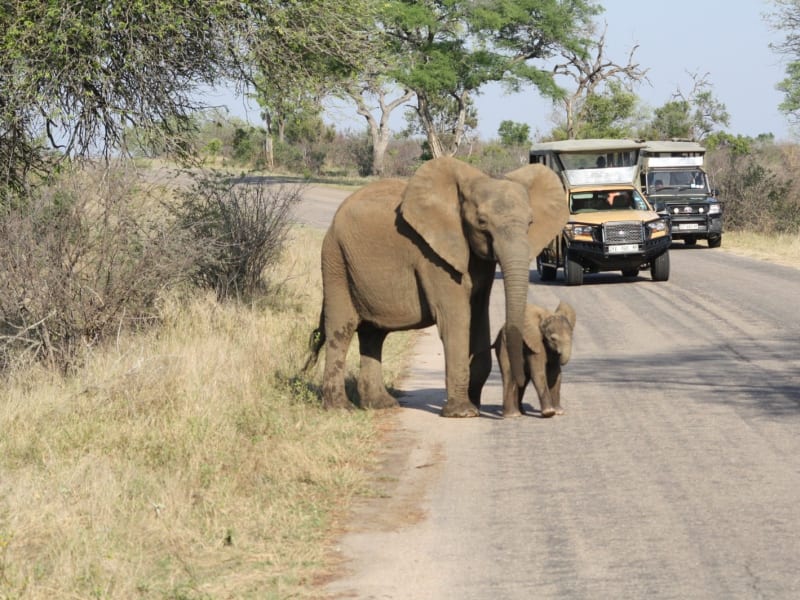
point(659, 267)
point(690, 241)
point(546, 273)
point(630, 272)
point(714, 241)
point(573, 271)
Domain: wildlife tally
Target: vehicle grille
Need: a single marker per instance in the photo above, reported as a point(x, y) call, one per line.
point(623, 232)
point(687, 210)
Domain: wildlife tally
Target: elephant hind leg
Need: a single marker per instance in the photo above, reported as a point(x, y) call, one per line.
point(333, 390)
point(371, 388)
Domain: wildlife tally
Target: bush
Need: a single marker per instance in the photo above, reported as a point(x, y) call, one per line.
point(81, 259)
point(241, 227)
point(757, 190)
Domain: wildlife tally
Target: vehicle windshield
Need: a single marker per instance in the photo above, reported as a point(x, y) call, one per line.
point(676, 179)
point(598, 160)
point(623, 199)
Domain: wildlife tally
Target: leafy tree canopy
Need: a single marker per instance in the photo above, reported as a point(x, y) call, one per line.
point(608, 114)
point(786, 19)
point(453, 47)
point(76, 76)
point(514, 134)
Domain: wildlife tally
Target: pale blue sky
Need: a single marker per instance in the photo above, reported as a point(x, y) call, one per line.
point(728, 41)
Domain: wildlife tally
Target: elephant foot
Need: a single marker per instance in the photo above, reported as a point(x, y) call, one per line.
point(460, 409)
point(559, 410)
point(548, 412)
point(337, 405)
point(380, 401)
point(512, 413)
point(335, 398)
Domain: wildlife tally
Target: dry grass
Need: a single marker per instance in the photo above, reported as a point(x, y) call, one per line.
point(783, 249)
point(187, 463)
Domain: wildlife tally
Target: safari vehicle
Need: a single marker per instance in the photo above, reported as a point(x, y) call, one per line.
point(673, 180)
point(611, 227)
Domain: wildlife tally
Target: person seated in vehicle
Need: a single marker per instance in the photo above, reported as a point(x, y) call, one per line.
point(659, 185)
point(620, 200)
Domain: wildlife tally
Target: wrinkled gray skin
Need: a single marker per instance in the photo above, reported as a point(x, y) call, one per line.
point(548, 345)
point(406, 255)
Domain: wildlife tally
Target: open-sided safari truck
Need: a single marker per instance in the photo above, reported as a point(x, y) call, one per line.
point(611, 227)
point(673, 179)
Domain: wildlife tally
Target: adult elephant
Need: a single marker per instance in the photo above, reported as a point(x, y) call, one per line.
point(405, 255)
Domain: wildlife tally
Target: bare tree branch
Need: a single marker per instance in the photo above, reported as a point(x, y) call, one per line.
point(590, 70)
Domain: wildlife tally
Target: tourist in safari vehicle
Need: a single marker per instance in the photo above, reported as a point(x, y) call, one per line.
point(612, 227)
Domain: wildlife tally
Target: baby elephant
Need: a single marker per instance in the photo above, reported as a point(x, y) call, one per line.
point(547, 346)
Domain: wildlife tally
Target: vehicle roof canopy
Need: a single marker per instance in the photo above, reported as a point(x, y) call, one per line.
point(598, 144)
point(673, 146)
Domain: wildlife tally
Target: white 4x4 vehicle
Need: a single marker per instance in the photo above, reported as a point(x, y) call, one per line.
point(674, 180)
point(611, 227)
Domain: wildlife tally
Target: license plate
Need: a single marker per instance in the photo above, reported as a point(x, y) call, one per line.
point(623, 248)
point(688, 226)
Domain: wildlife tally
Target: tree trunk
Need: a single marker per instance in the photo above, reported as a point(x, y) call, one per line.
point(379, 131)
point(269, 154)
point(379, 145)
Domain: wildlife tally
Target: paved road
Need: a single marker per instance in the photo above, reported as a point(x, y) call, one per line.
point(675, 472)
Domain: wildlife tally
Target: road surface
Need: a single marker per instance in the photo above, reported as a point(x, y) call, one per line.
point(675, 472)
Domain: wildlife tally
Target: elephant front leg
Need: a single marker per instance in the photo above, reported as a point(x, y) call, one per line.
point(554, 385)
point(512, 394)
point(457, 372)
point(512, 397)
point(540, 382)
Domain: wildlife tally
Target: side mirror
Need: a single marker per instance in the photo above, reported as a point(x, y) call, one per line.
point(714, 192)
point(660, 206)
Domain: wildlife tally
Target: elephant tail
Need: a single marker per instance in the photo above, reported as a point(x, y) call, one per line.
point(315, 343)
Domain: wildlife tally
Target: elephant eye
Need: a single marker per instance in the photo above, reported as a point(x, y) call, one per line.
point(483, 222)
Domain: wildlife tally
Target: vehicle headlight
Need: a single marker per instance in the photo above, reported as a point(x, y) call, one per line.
point(584, 230)
point(714, 209)
point(657, 226)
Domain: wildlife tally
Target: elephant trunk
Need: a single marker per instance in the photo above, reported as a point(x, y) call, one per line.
point(566, 352)
point(515, 263)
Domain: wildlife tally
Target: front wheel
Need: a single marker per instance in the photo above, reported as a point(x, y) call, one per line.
point(659, 267)
point(714, 241)
point(573, 271)
point(546, 273)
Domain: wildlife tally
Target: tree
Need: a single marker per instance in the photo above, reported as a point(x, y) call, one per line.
point(587, 112)
point(514, 134)
point(693, 115)
point(299, 56)
point(451, 48)
point(787, 19)
point(376, 97)
point(77, 77)
point(672, 120)
point(609, 114)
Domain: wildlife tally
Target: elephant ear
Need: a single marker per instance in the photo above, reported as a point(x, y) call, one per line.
point(532, 335)
point(567, 311)
point(431, 206)
point(548, 202)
